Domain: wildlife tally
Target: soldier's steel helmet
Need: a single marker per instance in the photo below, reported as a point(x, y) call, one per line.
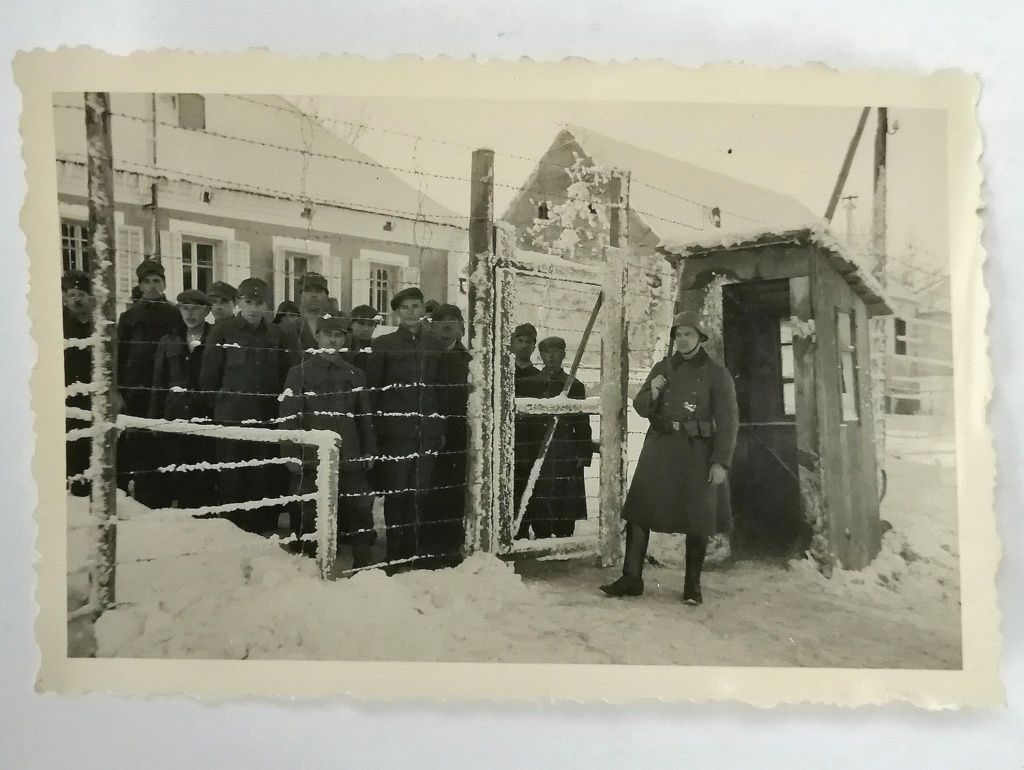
point(692, 319)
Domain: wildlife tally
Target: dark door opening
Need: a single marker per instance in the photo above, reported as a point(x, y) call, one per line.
point(764, 479)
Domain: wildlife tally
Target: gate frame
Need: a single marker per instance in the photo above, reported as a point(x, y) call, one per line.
point(490, 516)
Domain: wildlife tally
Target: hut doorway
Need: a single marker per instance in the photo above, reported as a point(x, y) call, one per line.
point(757, 338)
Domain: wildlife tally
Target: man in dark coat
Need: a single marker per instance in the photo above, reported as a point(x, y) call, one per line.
point(139, 331)
point(691, 403)
point(524, 342)
point(406, 375)
point(326, 393)
point(78, 309)
point(313, 303)
point(364, 322)
point(223, 301)
point(446, 502)
point(244, 367)
point(176, 396)
point(559, 497)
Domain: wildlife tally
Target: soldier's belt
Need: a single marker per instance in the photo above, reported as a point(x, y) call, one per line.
point(695, 428)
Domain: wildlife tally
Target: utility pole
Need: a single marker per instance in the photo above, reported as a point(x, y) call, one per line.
point(103, 499)
point(154, 188)
point(844, 171)
point(878, 209)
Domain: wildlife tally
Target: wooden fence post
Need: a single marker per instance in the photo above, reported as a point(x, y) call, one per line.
point(480, 425)
point(102, 469)
point(328, 467)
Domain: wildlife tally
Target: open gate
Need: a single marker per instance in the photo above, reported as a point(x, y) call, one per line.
point(590, 305)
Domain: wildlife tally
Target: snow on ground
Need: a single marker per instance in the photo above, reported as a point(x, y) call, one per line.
point(204, 589)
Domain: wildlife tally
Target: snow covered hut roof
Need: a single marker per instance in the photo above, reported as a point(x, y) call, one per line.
point(856, 274)
point(677, 199)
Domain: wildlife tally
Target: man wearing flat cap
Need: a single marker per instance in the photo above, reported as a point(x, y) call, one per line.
point(446, 502)
point(523, 344)
point(313, 297)
point(409, 422)
point(325, 392)
point(364, 322)
point(223, 301)
point(176, 396)
point(77, 311)
point(682, 473)
point(139, 331)
point(244, 368)
point(559, 497)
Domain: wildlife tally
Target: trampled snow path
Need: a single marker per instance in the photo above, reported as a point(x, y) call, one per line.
point(205, 589)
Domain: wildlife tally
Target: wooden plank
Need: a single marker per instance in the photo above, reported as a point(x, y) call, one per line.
point(574, 547)
point(504, 402)
point(761, 264)
point(479, 515)
point(103, 495)
point(813, 500)
point(614, 383)
point(871, 451)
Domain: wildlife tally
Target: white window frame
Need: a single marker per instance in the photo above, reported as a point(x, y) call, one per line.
point(391, 259)
point(200, 231)
point(78, 214)
point(318, 254)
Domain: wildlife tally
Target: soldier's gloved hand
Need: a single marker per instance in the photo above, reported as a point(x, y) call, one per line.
point(657, 384)
point(717, 474)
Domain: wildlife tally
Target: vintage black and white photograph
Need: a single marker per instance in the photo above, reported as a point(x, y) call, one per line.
point(374, 377)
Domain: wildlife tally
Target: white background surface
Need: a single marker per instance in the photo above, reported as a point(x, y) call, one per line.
point(99, 731)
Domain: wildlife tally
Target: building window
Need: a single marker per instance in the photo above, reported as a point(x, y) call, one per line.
point(786, 367)
point(74, 246)
point(192, 111)
point(846, 335)
point(543, 211)
point(197, 264)
point(295, 268)
point(383, 280)
point(899, 327)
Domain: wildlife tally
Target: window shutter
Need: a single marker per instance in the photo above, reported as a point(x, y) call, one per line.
point(279, 259)
point(129, 254)
point(410, 276)
point(170, 258)
point(331, 266)
point(236, 262)
point(360, 282)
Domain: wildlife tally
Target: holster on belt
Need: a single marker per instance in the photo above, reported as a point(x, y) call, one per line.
point(699, 428)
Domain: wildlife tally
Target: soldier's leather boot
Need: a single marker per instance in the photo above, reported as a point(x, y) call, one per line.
point(696, 548)
point(631, 583)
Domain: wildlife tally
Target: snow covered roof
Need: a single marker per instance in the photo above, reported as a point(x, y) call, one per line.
point(676, 199)
point(847, 264)
point(251, 143)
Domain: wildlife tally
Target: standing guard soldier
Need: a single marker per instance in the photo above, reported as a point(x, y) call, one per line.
point(364, 323)
point(691, 403)
point(77, 312)
point(559, 496)
point(313, 302)
point(223, 301)
point(326, 393)
point(176, 396)
point(139, 330)
point(446, 502)
point(244, 367)
point(524, 342)
point(404, 372)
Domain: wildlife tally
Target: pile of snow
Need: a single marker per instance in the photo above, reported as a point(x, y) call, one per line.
point(205, 589)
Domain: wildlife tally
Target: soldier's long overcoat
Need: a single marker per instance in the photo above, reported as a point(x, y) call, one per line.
point(670, 491)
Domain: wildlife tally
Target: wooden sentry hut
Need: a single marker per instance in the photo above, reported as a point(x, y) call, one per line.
point(789, 314)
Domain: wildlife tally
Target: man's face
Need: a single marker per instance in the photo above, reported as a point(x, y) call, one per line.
point(78, 302)
point(194, 316)
point(152, 286)
point(222, 308)
point(362, 329)
point(448, 329)
point(523, 346)
point(552, 356)
point(332, 339)
point(410, 312)
point(687, 338)
point(252, 309)
point(314, 300)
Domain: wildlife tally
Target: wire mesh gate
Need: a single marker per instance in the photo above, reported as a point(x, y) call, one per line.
point(507, 282)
